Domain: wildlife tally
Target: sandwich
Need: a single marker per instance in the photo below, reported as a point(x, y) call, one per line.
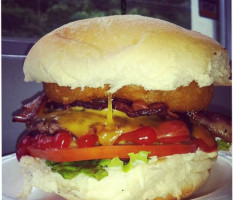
point(123, 113)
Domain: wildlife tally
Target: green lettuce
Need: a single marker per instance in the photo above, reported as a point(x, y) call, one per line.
point(141, 156)
point(223, 145)
point(69, 170)
point(96, 168)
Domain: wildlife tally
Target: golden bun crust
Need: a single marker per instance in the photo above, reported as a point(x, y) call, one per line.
point(127, 50)
point(170, 197)
point(190, 97)
point(186, 192)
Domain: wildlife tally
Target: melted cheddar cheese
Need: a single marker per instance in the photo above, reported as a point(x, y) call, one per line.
point(80, 121)
point(109, 115)
point(108, 124)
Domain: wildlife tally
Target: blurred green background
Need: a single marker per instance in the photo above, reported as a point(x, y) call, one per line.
point(34, 18)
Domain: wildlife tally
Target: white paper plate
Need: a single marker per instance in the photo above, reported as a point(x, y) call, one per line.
point(218, 186)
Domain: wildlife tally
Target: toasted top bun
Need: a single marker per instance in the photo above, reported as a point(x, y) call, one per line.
point(127, 50)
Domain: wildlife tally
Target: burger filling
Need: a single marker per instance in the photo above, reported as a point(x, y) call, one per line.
point(87, 137)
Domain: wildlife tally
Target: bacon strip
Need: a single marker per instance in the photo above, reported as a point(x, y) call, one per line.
point(137, 109)
point(132, 109)
point(97, 104)
point(218, 124)
point(31, 109)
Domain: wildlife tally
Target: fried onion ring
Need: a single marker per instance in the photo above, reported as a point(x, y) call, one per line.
point(186, 98)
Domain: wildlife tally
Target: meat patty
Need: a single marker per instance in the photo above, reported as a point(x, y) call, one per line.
point(43, 126)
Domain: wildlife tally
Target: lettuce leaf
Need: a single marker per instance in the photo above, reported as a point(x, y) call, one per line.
point(96, 168)
point(142, 156)
point(69, 170)
point(223, 145)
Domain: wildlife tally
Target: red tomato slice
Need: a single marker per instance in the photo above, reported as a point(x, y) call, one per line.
point(104, 152)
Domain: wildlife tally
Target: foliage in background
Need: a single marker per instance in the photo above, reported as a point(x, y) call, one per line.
point(34, 18)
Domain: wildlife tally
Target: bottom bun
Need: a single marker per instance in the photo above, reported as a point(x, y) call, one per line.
point(172, 177)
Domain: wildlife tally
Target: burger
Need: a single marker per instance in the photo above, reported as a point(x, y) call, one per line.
point(123, 111)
